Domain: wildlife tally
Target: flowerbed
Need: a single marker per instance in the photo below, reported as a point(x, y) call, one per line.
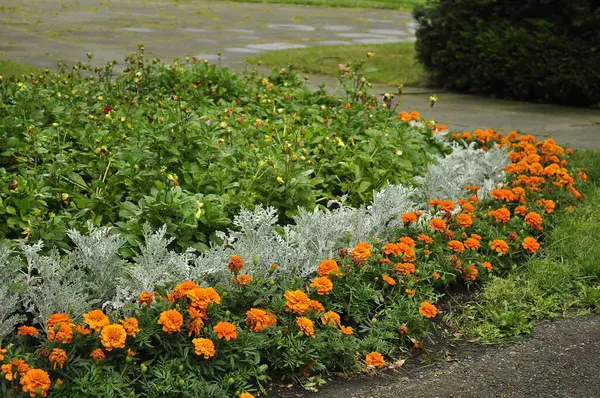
point(187, 146)
point(227, 334)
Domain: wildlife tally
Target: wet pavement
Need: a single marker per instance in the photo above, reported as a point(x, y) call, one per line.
point(42, 32)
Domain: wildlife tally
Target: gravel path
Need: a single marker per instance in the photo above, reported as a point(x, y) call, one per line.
point(560, 359)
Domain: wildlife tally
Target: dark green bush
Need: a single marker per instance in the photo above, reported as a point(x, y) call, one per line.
point(537, 50)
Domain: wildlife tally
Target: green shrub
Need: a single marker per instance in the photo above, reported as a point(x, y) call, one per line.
point(538, 50)
point(187, 145)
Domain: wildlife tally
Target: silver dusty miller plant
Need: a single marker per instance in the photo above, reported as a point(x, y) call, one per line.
point(10, 302)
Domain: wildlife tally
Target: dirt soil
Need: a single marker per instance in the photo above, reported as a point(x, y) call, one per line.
point(561, 358)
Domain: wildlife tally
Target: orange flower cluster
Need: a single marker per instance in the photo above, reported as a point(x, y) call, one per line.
point(296, 301)
point(171, 321)
point(427, 309)
point(306, 326)
point(361, 252)
point(225, 330)
point(501, 215)
point(331, 318)
point(235, 264)
point(328, 267)
point(258, 319)
point(322, 284)
point(204, 347)
point(499, 246)
point(375, 359)
point(36, 381)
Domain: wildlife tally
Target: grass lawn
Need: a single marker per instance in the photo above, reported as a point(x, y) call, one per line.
point(392, 64)
point(565, 279)
point(11, 68)
point(393, 4)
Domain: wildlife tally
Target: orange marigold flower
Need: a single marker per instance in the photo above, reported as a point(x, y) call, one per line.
point(82, 330)
point(521, 210)
point(470, 272)
point(425, 238)
point(171, 320)
point(182, 289)
point(113, 336)
point(418, 345)
point(467, 207)
point(438, 225)
point(409, 218)
point(306, 325)
point(316, 306)
point(322, 284)
point(499, 246)
point(58, 357)
point(131, 353)
point(388, 280)
point(21, 365)
point(473, 188)
point(235, 264)
point(407, 241)
point(2, 353)
point(257, 319)
point(327, 267)
point(98, 354)
point(405, 268)
point(145, 298)
point(246, 395)
point(36, 381)
point(464, 220)
point(487, 265)
point(391, 248)
point(27, 331)
point(436, 275)
point(403, 330)
point(242, 279)
point(384, 261)
point(548, 205)
point(428, 310)
point(331, 318)
point(131, 326)
point(435, 202)
point(375, 359)
point(195, 327)
point(534, 220)
point(347, 330)
point(61, 332)
point(204, 347)
point(95, 319)
point(201, 297)
point(530, 244)
point(55, 319)
point(502, 194)
point(296, 301)
point(361, 252)
point(196, 313)
point(225, 330)
point(410, 292)
point(475, 236)
point(6, 369)
point(472, 244)
point(456, 246)
point(501, 215)
point(447, 205)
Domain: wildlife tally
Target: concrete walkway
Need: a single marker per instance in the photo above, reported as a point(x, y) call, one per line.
point(42, 32)
point(559, 359)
